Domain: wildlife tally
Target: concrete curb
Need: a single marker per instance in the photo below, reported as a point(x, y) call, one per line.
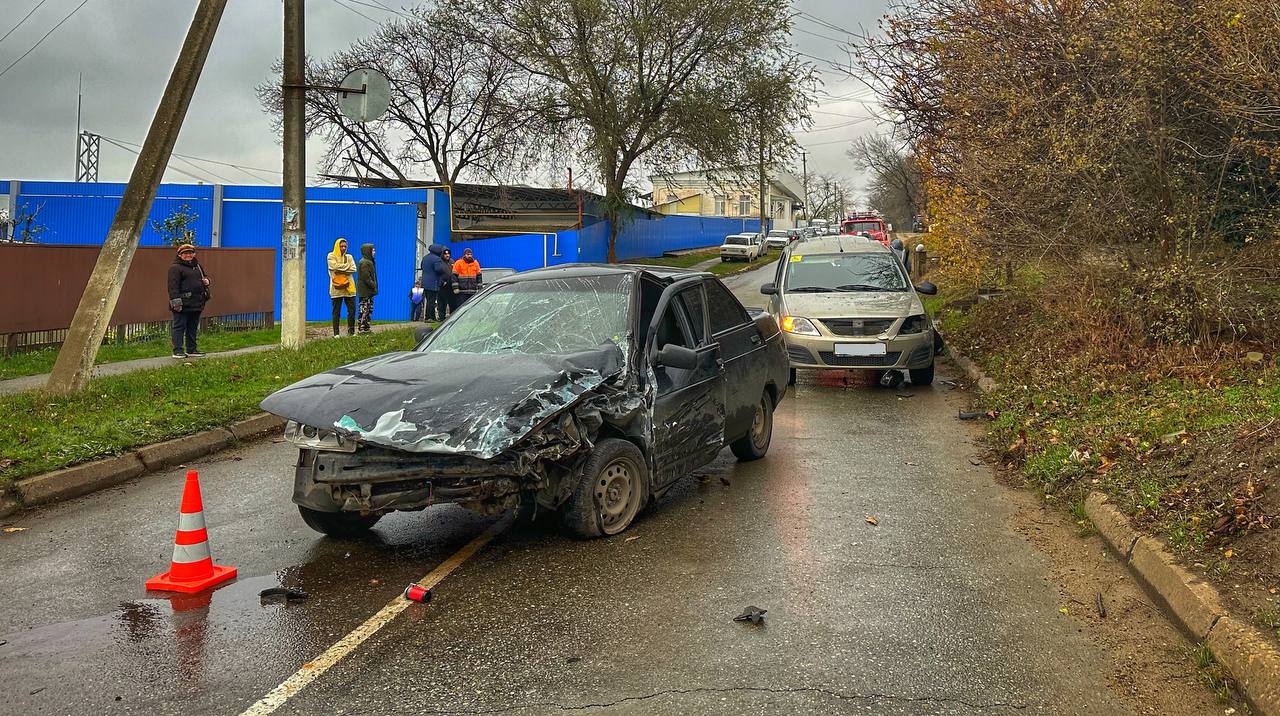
point(1244, 650)
point(92, 476)
point(984, 381)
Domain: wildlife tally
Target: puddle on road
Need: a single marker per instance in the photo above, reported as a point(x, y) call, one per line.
point(146, 647)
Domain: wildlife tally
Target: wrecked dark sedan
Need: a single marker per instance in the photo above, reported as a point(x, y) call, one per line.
point(585, 389)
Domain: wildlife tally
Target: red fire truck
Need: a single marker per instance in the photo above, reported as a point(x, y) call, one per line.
point(870, 224)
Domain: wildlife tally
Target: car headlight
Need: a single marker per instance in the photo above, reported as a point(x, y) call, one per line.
point(309, 436)
point(914, 324)
point(799, 326)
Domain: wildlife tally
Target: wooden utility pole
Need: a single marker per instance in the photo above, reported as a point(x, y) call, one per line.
point(74, 365)
point(293, 232)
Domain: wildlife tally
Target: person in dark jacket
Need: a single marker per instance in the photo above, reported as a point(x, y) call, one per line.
point(447, 298)
point(366, 286)
point(431, 273)
point(188, 292)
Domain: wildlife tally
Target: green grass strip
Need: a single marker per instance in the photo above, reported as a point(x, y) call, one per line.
point(41, 432)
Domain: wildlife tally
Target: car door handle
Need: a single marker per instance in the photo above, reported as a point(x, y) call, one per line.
point(755, 340)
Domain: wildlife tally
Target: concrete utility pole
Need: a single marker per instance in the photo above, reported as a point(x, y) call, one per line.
point(75, 361)
point(764, 200)
point(293, 234)
point(804, 174)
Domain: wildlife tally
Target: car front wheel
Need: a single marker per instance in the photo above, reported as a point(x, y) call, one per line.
point(613, 488)
point(342, 525)
point(755, 443)
point(922, 376)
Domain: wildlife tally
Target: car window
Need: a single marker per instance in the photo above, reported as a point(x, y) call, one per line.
point(725, 311)
point(826, 273)
point(548, 316)
point(693, 305)
point(737, 240)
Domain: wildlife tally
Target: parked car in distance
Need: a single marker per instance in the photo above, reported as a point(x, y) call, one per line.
point(777, 239)
point(589, 390)
point(741, 247)
point(844, 302)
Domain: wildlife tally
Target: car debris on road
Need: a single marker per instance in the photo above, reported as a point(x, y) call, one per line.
point(752, 614)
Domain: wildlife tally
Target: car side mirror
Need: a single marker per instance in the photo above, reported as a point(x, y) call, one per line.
point(421, 333)
point(674, 356)
point(769, 289)
point(927, 288)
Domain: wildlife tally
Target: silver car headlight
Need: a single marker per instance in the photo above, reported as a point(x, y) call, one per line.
point(799, 326)
point(309, 436)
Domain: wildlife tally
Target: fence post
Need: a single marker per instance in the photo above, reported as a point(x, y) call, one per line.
point(15, 186)
point(215, 240)
point(920, 265)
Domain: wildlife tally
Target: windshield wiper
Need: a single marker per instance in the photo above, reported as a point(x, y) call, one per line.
point(811, 289)
point(861, 287)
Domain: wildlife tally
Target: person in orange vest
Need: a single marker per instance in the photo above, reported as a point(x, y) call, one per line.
point(467, 273)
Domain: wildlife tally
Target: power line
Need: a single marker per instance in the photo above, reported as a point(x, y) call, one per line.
point(108, 140)
point(342, 4)
point(842, 125)
point(825, 23)
point(24, 19)
point(43, 38)
point(379, 6)
point(815, 34)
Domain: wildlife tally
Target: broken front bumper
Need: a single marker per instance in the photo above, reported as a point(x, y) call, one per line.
point(379, 481)
point(904, 351)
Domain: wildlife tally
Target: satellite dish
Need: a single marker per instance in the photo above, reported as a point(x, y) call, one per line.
point(371, 98)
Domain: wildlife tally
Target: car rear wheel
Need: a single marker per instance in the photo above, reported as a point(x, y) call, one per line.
point(342, 525)
point(613, 488)
point(791, 376)
point(922, 376)
point(755, 443)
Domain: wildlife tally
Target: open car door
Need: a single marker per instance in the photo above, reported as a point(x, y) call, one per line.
point(689, 407)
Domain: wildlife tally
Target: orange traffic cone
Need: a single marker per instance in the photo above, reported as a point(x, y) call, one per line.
point(192, 568)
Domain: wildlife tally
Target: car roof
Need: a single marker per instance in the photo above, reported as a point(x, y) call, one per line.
point(841, 244)
point(586, 270)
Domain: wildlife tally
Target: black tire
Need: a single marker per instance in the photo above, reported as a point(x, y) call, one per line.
point(791, 376)
point(723, 260)
point(922, 376)
point(755, 443)
point(613, 489)
point(340, 525)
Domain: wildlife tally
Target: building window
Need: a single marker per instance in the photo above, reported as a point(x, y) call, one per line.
point(744, 205)
point(719, 206)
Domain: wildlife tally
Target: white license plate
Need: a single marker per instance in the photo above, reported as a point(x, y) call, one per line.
point(860, 349)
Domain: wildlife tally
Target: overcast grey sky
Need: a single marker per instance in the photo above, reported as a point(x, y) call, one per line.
point(126, 48)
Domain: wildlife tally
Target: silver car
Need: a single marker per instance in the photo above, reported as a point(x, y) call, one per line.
point(846, 303)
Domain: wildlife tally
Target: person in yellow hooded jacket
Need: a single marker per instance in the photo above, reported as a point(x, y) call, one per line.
point(342, 285)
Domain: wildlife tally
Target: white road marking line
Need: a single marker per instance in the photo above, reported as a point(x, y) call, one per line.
point(347, 644)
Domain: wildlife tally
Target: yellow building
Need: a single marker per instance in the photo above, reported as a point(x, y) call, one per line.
point(726, 193)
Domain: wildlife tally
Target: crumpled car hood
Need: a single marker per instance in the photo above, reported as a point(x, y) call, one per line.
point(456, 403)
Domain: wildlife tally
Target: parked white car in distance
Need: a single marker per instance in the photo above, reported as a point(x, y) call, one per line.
point(777, 239)
point(741, 247)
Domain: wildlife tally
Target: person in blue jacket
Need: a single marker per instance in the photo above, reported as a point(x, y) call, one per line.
point(432, 270)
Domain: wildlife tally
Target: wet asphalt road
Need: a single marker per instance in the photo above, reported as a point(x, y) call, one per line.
point(940, 608)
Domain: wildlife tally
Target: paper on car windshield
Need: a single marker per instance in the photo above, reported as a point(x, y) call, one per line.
point(796, 259)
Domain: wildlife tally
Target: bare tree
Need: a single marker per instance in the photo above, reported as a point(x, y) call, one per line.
point(662, 83)
point(458, 108)
point(896, 188)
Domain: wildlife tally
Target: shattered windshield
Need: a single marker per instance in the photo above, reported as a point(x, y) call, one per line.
point(547, 317)
point(829, 273)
